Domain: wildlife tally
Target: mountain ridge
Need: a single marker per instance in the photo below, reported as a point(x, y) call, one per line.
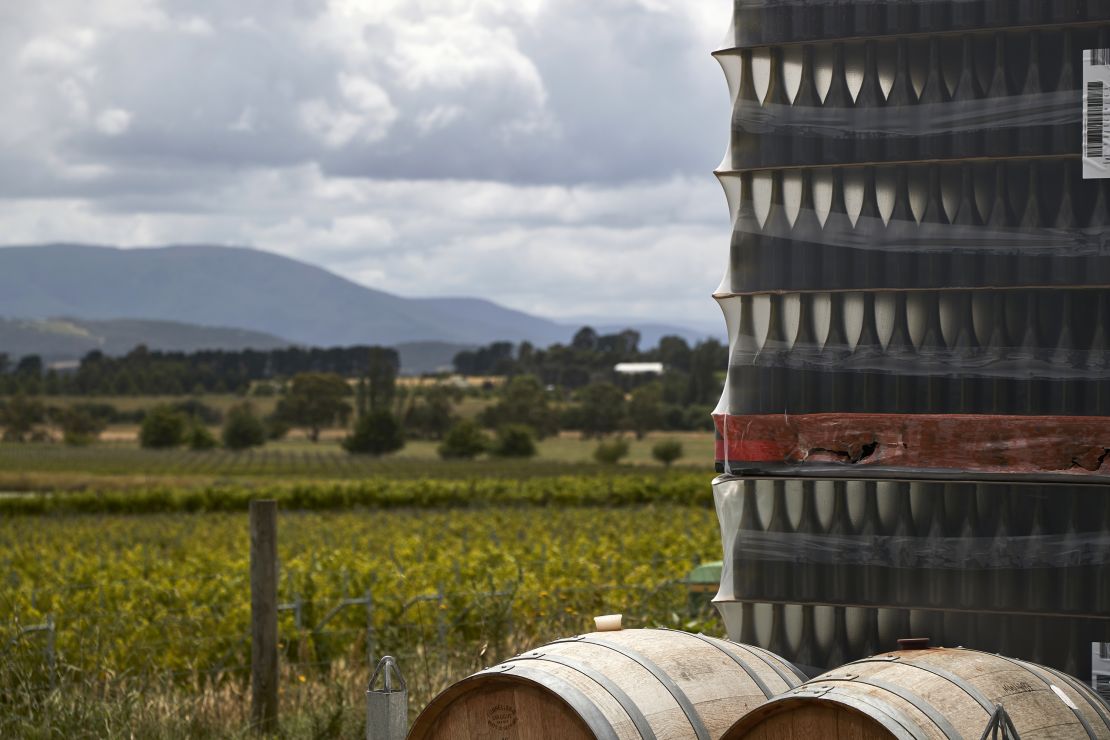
point(255, 291)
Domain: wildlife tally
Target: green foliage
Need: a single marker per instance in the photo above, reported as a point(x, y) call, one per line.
point(381, 373)
point(514, 440)
point(523, 400)
point(276, 427)
point(315, 401)
point(163, 427)
point(163, 600)
point(667, 451)
point(79, 427)
point(376, 433)
point(611, 452)
point(200, 438)
point(242, 428)
point(618, 489)
point(645, 409)
point(601, 409)
point(430, 413)
point(19, 417)
point(466, 440)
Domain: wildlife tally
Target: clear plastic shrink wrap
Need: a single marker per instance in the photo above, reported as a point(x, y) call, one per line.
point(915, 431)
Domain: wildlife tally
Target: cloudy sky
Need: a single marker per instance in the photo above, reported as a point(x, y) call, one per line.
point(552, 155)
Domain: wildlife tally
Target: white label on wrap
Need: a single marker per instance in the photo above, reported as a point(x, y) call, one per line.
point(1096, 79)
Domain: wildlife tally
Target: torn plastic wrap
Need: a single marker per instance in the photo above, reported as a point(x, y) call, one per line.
point(915, 427)
point(826, 571)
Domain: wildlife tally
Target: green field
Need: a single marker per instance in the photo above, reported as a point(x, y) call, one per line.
point(151, 612)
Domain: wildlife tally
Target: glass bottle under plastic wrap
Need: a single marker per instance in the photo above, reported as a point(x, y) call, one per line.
point(1033, 139)
point(1065, 363)
point(933, 261)
point(746, 233)
point(867, 236)
point(806, 248)
point(837, 263)
point(804, 370)
point(806, 139)
point(965, 386)
point(967, 96)
point(900, 361)
point(835, 392)
point(1003, 139)
point(837, 109)
point(966, 264)
point(1033, 263)
point(934, 381)
point(869, 122)
point(900, 236)
point(743, 380)
point(999, 233)
point(747, 112)
point(774, 241)
point(776, 141)
point(935, 142)
point(1065, 136)
point(865, 363)
point(772, 360)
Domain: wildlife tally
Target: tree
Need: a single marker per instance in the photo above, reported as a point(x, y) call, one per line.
point(431, 413)
point(466, 440)
point(667, 451)
point(585, 339)
point(199, 438)
point(79, 427)
point(611, 452)
point(514, 440)
point(19, 418)
point(601, 409)
point(674, 353)
point(375, 433)
point(706, 361)
point(314, 401)
point(645, 409)
point(242, 428)
point(523, 400)
point(381, 372)
point(163, 427)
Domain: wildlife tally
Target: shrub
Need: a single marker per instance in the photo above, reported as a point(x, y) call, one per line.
point(276, 427)
point(376, 433)
point(514, 440)
point(199, 438)
point(465, 440)
point(79, 427)
point(163, 426)
point(667, 451)
point(611, 452)
point(243, 429)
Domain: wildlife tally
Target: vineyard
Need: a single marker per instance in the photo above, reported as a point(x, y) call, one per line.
point(157, 606)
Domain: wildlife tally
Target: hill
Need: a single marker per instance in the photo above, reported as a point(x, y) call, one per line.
point(69, 339)
point(258, 292)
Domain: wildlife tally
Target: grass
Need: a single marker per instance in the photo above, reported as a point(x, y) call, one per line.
point(115, 465)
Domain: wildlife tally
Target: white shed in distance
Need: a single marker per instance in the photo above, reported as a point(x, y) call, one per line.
point(639, 368)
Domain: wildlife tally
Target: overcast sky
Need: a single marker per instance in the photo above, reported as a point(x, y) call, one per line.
point(552, 155)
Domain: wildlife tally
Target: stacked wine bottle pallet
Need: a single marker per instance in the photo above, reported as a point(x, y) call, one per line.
point(914, 432)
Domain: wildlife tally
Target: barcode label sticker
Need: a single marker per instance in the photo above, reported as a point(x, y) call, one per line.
point(1096, 78)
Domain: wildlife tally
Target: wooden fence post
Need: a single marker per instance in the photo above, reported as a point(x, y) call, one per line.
point(264, 579)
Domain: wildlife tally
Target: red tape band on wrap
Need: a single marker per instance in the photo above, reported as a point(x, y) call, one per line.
point(1078, 445)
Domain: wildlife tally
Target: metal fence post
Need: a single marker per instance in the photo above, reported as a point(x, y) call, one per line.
point(387, 708)
point(264, 638)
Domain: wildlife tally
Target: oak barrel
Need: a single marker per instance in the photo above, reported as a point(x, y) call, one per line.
point(931, 694)
point(627, 684)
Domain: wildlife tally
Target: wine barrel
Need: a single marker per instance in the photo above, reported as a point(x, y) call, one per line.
point(931, 694)
point(640, 683)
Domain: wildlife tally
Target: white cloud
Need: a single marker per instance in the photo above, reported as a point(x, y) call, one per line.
point(113, 122)
point(554, 156)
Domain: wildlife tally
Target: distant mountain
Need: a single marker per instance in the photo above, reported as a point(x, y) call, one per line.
point(68, 339)
point(258, 292)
